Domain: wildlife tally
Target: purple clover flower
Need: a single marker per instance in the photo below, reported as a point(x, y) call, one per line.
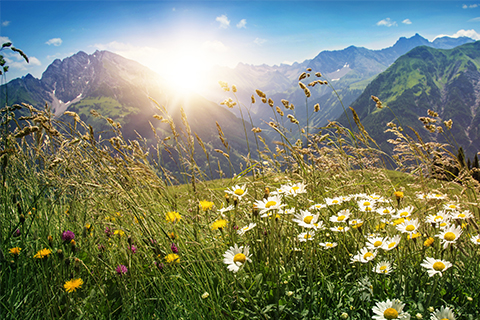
point(133, 248)
point(68, 236)
point(174, 248)
point(121, 269)
point(16, 233)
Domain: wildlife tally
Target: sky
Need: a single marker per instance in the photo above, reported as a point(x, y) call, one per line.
point(175, 37)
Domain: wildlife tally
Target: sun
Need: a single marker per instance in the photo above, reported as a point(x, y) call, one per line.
point(186, 67)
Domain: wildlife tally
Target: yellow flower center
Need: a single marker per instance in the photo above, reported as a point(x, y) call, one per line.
point(404, 214)
point(368, 209)
point(341, 218)
point(478, 240)
point(461, 215)
point(270, 203)
point(367, 255)
point(452, 206)
point(390, 313)
point(383, 268)
point(391, 245)
point(444, 319)
point(377, 243)
point(307, 219)
point(307, 236)
point(329, 245)
point(340, 228)
point(295, 188)
point(449, 236)
point(366, 204)
point(386, 211)
point(239, 192)
point(410, 227)
point(438, 218)
point(438, 266)
point(239, 257)
point(335, 201)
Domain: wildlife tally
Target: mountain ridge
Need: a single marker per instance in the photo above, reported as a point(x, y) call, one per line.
point(446, 81)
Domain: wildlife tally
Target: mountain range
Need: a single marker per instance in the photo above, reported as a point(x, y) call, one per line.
point(122, 90)
point(410, 81)
point(444, 81)
point(349, 71)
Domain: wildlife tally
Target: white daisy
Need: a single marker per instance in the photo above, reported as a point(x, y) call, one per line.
point(341, 216)
point(387, 210)
point(340, 229)
point(391, 243)
point(375, 243)
point(462, 215)
point(451, 206)
point(475, 239)
point(333, 201)
point(365, 255)
point(235, 257)
point(238, 191)
point(435, 266)
point(443, 314)
point(390, 310)
point(305, 236)
point(296, 189)
point(408, 226)
point(438, 218)
point(404, 213)
point(328, 245)
point(242, 231)
point(365, 205)
point(449, 235)
point(306, 219)
point(271, 203)
point(318, 206)
point(383, 267)
point(436, 196)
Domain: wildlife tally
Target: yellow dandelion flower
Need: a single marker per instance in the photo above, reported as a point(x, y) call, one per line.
point(42, 253)
point(172, 257)
point(219, 224)
point(173, 216)
point(428, 242)
point(121, 233)
point(206, 205)
point(73, 285)
point(15, 251)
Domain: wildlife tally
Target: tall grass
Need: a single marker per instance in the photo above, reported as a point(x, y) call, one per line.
point(312, 211)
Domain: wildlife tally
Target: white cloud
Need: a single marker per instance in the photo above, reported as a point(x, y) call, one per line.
point(173, 9)
point(15, 61)
point(242, 23)
point(4, 40)
point(55, 41)
point(214, 46)
point(462, 33)
point(470, 6)
point(259, 41)
point(5, 23)
point(387, 23)
point(407, 21)
point(474, 19)
point(224, 22)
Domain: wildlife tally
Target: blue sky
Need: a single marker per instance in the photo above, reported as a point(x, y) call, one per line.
point(177, 36)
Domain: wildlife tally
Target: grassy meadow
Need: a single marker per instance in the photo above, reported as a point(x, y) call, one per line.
point(315, 227)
